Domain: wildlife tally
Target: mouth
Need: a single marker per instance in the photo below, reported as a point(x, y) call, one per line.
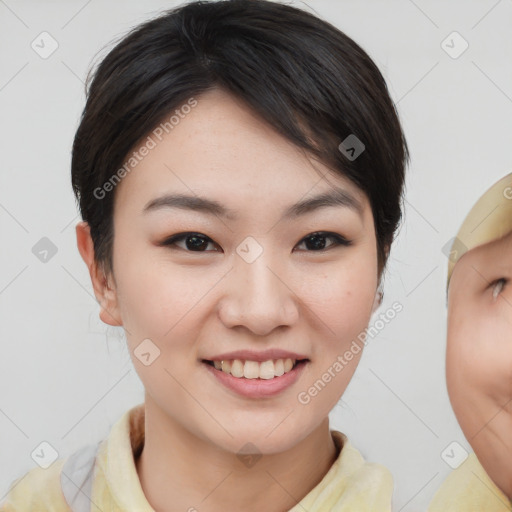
point(255, 370)
point(252, 379)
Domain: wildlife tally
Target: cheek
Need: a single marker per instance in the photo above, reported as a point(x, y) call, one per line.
point(157, 297)
point(342, 293)
point(341, 299)
point(479, 357)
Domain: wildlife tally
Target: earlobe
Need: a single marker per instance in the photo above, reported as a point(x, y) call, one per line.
point(105, 293)
point(378, 300)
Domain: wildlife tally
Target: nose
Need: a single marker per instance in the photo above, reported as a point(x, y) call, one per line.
point(258, 297)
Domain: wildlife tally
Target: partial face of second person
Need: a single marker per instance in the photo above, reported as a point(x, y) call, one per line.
point(479, 354)
point(195, 298)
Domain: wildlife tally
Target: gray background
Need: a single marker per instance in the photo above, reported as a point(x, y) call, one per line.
point(65, 377)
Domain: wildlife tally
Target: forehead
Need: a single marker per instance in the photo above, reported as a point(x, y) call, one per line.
point(222, 150)
point(497, 252)
point(479, 266)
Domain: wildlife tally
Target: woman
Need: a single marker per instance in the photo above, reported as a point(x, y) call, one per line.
point(478, 355)
point(239, 168)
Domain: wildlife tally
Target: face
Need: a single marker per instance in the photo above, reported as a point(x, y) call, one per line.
point(253, 274)
point(479, 354)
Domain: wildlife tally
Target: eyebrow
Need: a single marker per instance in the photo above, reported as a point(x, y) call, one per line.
point(334, 198)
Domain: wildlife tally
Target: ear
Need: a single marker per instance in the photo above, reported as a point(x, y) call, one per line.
point(379, 294)
point(377, 301)
point(104, 291)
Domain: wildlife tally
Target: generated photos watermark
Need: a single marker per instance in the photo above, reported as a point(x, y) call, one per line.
point(305, 397)
point(150, 143)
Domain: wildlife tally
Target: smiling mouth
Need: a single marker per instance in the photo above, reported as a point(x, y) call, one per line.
point(266, 370)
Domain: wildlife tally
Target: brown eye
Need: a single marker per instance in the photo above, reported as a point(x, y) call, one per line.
point(194, 242)
point(315, 242)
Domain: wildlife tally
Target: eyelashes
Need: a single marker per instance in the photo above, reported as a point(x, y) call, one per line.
point(200, 241)
point(338, 239)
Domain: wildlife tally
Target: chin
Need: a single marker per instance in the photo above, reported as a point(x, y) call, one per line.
point(263, 440)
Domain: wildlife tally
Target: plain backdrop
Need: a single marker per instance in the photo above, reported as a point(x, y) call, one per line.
point(65, 377)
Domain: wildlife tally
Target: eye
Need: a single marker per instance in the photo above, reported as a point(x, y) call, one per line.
point(316, 240)
point(194, 242)
point(197, 242)
point(497, 286)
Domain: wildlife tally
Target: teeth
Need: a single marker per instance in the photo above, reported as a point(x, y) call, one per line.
point(267, 370)
point(279, 367)
point(237, 368)
point(251, 370)
point(288, 365)
point(254, 370)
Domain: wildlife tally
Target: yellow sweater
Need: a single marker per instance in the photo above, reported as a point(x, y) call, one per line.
point(350, 484)
point(469, 489)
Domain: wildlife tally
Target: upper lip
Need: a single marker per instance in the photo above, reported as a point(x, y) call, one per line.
point(253, 355)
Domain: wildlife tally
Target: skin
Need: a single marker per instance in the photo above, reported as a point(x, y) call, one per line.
point(195, 304)
point(479, 355)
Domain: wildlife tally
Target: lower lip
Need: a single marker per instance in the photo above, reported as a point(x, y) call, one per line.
point(258, 388)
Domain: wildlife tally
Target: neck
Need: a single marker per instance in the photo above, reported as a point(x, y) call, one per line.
point(179, 471)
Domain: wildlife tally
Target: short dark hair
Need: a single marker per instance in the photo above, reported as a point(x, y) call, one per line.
point(299, 73)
